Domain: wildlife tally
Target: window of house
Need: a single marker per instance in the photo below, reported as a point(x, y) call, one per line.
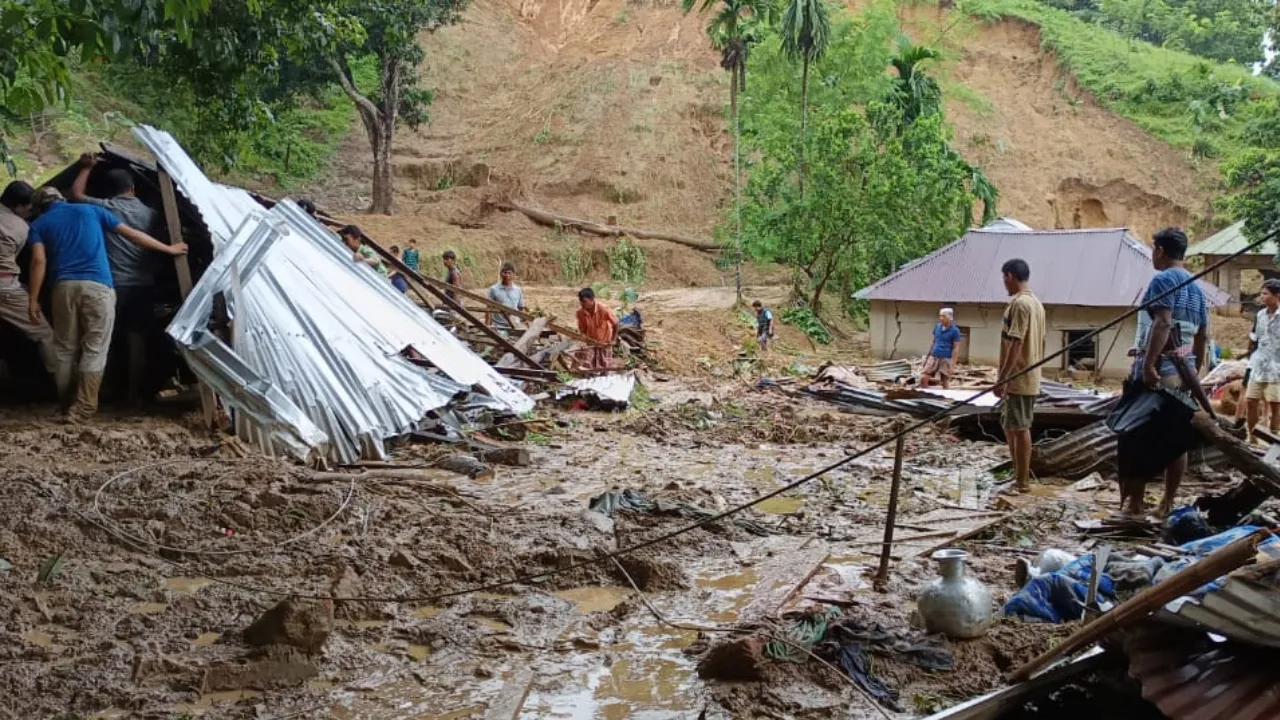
point(1083, 356)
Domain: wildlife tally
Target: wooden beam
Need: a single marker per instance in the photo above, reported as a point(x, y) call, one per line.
point(525, 342)
point(208, 401)
point(494, 335)
point(1262, 473)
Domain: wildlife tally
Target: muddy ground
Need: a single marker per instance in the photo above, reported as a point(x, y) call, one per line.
point(138, 552)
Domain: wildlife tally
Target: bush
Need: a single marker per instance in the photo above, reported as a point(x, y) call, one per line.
point(627, 263)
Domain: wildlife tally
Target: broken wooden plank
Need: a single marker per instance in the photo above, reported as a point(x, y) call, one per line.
point(525, 342)
point(181, 263)
point(782, 576)
point(1211, 567)
point(1265, 475)
point(510, 701)
point(971, 532)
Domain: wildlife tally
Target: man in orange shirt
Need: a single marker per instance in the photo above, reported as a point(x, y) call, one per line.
point(598, 323)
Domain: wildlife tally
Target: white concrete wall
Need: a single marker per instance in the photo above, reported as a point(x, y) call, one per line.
point(905, 329)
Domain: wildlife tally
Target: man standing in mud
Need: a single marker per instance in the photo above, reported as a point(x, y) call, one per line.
point(1173, 355)
point(69, 241)
point(133, 269)
point(600, 324)
point(15, 208)
point(452, 275)
point(945, 337)
point(506, 293)
point(1018, 385)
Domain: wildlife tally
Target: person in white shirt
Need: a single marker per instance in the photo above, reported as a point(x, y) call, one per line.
point(1264, 365)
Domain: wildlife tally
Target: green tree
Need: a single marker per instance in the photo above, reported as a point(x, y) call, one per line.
point(248, 52)
point(915, 92)
point(733, 29)
point(1223, 30)
point(806, 32)
point(40, 38)
point(882, 188)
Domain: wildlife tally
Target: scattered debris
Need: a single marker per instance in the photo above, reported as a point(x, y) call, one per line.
point(302, 625)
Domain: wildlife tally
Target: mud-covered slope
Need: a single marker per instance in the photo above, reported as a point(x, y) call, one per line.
point(615, 110)
point(1058, 158)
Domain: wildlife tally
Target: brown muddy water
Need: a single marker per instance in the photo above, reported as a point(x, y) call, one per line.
point(126, 630)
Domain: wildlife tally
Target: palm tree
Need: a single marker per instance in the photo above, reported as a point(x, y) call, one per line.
point(806, 30)
point(914, 91)
point(733, 29)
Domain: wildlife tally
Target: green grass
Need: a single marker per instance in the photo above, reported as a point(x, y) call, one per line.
point(1203, 107)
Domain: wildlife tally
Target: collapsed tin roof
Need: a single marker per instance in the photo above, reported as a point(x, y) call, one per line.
point(314, 366)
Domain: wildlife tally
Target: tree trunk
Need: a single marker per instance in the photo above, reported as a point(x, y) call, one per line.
point(804, 118)
point(737, 177)
point(816, 302)
point(383, 188)
point(379, 124)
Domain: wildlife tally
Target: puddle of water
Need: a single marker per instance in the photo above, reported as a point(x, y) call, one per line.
point(150, 608)
point(186, 584)
point(593, 599)
point(763, 475)
point(418, 652)
point(428, 611)
point(35, 637)
point(366, 624)
point(466, 712)
point(732, 581)
point(207, 639)
point(780, 505)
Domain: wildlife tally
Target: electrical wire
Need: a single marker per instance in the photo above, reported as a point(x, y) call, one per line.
point(114, 528)
point(536, 577)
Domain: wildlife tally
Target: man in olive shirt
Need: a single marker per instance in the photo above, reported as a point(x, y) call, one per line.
point(1021, 347)
point(15, 208)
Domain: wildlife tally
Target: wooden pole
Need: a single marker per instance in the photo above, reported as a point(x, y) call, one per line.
point(898, 448)
point(1260, 472)
point(208, 401)
point(494, 335)
point(1215, 565)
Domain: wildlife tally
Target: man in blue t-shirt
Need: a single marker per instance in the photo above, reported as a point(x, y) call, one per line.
point(1179, 335)
point(69, 243)
point(945, 337)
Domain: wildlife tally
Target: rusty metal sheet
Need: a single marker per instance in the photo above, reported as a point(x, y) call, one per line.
point(1091, 268)
point(1190, 676)
point(1245, 608)
point(1093, 448)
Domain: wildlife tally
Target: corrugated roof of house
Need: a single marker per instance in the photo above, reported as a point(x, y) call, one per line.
point(1093, 268)
point(1229, 241)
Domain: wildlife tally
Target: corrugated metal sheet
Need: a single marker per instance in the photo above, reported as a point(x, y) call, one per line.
point(1245, 608)
point(1093, 448)
point(1095, 268)
point(1229, 241)
point(316, 367)
point(1189, 676)
point(887, 371)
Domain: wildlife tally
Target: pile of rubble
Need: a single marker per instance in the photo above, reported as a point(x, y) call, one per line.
point(318, 359)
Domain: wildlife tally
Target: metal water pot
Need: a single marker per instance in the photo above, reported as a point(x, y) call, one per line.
point(955, 604)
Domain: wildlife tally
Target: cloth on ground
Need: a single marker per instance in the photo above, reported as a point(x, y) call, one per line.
point(1058, 596)
point(853, 659)
point(630, 500)
point(1185, 525)
point(931, 652)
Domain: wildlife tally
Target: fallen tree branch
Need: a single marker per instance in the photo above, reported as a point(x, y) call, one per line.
point(587, 226)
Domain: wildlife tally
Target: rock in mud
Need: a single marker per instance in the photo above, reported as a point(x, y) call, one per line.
point(737, 660)
point(346, 583)
point(598, 521)
point(403, 559)
point(305, 626)
point(278, 666)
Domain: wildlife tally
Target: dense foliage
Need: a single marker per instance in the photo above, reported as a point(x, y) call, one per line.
point(884, 185)
point(1224, 30)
